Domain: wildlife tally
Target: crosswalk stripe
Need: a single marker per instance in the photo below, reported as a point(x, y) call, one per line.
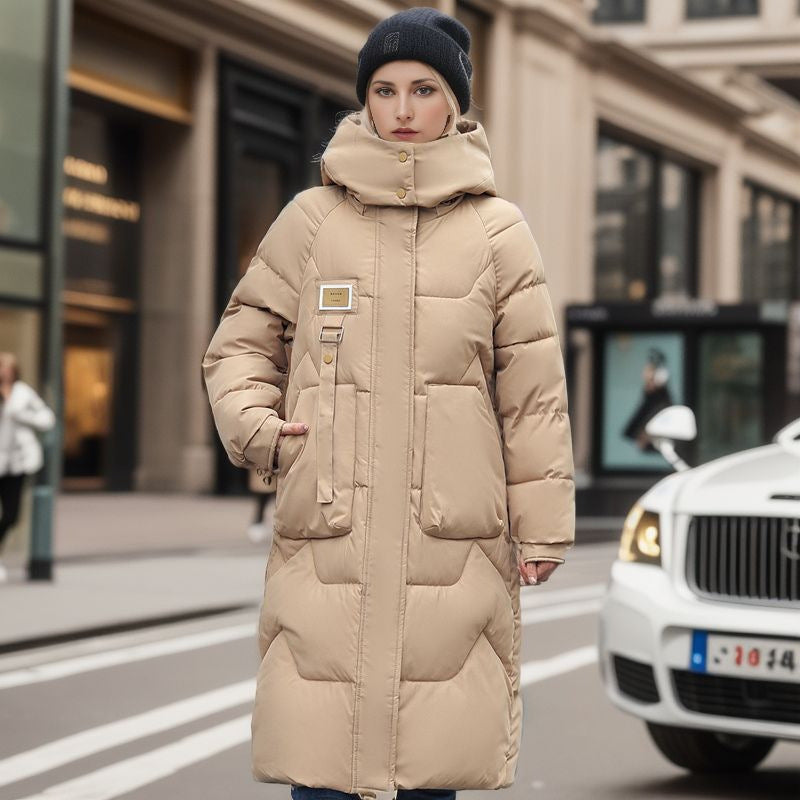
point(535, 671)
point(94, 740)
point(537, 597)
point(137, 771)
point(124, 655)
point(534, 616)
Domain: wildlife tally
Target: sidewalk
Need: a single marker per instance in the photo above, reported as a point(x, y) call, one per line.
point(135, 523)
point(134, 560)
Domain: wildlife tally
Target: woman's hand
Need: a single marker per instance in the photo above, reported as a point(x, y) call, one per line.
point(290, 429)
point(536, 571)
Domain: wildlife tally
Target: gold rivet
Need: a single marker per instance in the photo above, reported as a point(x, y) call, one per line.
point(327, 358)
point(402, 155)
point(401, 193)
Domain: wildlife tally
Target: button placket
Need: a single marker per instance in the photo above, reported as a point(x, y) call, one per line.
point(402, 156)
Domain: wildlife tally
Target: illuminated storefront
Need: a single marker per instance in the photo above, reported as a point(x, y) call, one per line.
point(102, 219)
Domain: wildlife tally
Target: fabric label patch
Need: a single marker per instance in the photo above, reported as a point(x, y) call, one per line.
point(335, 296)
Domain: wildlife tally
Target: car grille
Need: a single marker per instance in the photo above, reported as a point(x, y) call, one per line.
point(745, 698)
point(636, 679)
point(745, 558)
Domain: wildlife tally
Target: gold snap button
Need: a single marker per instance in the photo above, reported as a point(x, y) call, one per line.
point(401, 193)
point(402, 155)
point(327, 358)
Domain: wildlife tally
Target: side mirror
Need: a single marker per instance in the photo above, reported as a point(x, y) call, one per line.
point(668, 425)
point(788, 437)
point(673, 422)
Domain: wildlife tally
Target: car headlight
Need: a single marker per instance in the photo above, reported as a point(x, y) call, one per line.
point(640, 537)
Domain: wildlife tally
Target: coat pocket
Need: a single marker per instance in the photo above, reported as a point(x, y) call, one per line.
point(297, 514)
point(463, 492)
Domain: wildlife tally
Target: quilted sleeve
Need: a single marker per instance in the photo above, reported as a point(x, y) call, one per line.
point(531, 397)
point(247, 360)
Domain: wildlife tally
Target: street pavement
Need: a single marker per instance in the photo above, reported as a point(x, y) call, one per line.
point(163, 711)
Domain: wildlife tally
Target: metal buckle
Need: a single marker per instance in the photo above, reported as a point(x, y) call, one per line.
point(339, 332)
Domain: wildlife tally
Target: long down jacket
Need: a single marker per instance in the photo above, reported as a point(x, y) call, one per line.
point(400, 310)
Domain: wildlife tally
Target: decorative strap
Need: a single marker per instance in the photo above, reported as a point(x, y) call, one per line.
point(330, 335)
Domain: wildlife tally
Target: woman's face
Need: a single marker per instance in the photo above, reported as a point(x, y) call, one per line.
point(404, 94)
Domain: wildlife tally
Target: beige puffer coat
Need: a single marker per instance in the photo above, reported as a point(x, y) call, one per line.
point(401, 311)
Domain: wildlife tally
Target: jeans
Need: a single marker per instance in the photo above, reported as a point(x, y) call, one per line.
point(313, 793)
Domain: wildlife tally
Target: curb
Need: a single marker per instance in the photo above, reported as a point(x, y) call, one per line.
point(77, 634)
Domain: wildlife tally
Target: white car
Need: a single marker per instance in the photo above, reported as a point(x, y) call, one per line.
point(699, 629)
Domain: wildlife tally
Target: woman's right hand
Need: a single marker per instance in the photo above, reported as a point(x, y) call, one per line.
point(290, 429)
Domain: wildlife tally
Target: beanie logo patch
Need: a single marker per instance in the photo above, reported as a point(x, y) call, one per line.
point(391, 42)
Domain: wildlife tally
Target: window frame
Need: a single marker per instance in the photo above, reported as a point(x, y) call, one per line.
point(615, 16)
point(692, 15)
point(757, 189)
point(658, 156)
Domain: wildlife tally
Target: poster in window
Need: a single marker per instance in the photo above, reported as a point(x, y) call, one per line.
point(643, 374)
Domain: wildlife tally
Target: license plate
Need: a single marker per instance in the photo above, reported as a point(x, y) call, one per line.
point(745, 656)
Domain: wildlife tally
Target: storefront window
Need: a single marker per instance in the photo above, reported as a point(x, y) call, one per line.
point(102, 242)
point(730, 409)
point(701, 9)
point(88, 402)
point(646, 217)
point(619, 11)
point(21, 273)
point(102, 207)
point(23, 59)
point(769, 229)
point(642, 373)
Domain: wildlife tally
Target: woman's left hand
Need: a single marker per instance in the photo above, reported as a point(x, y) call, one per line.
point(536, 572)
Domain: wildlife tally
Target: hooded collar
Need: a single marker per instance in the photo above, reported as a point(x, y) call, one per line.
point(381, 172)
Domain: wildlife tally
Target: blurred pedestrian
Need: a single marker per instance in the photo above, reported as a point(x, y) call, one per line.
point(425, 465)
point(23, 414)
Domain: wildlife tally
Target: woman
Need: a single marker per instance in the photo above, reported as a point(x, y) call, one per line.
point(22, 414)
point(425, 461)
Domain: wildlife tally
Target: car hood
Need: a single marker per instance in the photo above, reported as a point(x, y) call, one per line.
point(762, 480)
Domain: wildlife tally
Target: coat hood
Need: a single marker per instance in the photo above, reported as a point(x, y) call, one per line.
point(374, 169)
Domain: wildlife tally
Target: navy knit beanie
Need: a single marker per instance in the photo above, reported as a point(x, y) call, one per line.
point(419, 34)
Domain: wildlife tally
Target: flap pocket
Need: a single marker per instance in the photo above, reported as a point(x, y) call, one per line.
point(298, 515)
point(463, 474)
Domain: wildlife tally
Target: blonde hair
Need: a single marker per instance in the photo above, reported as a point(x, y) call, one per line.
point(454, 118)
point(10, 360)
